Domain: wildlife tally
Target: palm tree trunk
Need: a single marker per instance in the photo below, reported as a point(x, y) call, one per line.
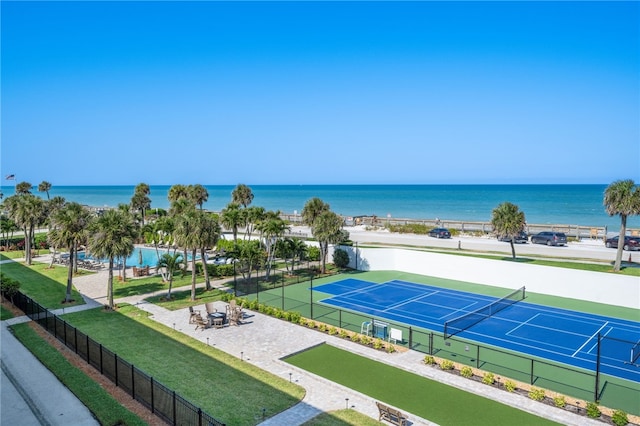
point(513, 249)
point(623, 231)
point(207, 281)
point(67, 297)
point(110, 284)
point(193, 275)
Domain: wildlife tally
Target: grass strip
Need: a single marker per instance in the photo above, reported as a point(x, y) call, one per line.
point(106, 409)
point(342, 418)
point(426, 398)
point(222, 385)
point(45, 285)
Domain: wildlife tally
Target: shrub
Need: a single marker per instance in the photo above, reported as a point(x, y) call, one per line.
point(333, 331)
point(510, 386)
point(592, 410)
point(340, 258)
point(355, 337)
point(8, 286)
point(295, 317)
point(466, 372)
point(488, 379)
point(447, 365)
point(343, 333)
point(390, 348)
point(619, 418)
point(536, 394)
point(322, 327)
point(377, 344)
point(560, 401)
point(429, 360)
point(313, 253)
point(365, 340)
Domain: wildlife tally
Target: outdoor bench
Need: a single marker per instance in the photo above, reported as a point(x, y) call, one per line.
point(391, 415)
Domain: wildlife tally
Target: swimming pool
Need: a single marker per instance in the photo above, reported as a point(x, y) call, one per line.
point(141, 256)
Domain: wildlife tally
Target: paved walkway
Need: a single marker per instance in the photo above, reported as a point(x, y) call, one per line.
point(262, 340)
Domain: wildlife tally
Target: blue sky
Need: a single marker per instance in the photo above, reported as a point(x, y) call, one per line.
point(320, 92)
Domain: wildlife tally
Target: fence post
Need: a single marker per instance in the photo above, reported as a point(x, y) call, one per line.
point(101, 369)
point(174, 408)
point(597, 390)
point(531, 377)
point(153, 408)
point(283, 290)
point(64, 325)
point(199, 416)
point(311, 296)
point(87, 344)
point(133, 383)
point(115, 357)
point(477, 356)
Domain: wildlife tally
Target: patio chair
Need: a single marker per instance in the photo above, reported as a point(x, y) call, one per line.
point(201, 322)
point(192, 315)
point(210, 308)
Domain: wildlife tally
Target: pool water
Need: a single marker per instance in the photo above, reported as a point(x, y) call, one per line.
point(141, 256)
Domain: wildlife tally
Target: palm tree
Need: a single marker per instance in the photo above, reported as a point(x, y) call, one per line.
point(327, 229)
point(312, 209)
point(53, 205)
point(198, 194)
point(508, 221)
point(208, 233)
point(112, 236)
point(176, 192)
point(299, 248)
point(622, 197)
point(171, 263)
point(69, 225)
point(271, 228)
point(232, 218)
point(242, 195)
point(140, 200)
point(23, 188)
point(27, 211)
point(253, 216)
point(44, 186)
point(187, 237)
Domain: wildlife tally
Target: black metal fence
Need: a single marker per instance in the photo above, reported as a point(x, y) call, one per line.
point(160, 400)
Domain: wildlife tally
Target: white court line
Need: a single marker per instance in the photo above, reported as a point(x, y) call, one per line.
point(521, 324)
point(588, 340)
point(596, 344)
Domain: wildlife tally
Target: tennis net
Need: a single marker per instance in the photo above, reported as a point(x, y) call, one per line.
point(635, 352)
point(470, 319)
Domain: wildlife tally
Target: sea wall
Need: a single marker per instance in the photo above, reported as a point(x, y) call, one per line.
point(611, 289)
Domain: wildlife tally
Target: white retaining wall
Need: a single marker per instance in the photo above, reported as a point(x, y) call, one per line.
point(611, 289)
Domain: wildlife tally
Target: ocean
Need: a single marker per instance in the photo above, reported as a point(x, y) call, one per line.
point(542, 204)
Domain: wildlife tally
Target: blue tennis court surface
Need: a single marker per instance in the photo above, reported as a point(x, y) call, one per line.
point(560, 335)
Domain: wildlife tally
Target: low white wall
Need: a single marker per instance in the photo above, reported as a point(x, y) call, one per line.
point(611, 289)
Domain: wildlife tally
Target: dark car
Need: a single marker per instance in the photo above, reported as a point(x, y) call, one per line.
point(549, 238)
point(440, 233)
point(630, 243)
point(521, 238)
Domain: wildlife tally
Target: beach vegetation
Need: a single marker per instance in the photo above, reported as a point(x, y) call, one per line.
point(508, 221)
point(112, 236)
point(622, 197)
point(409, 228)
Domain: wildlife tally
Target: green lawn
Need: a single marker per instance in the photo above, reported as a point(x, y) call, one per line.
point(106, 409)
point(5, 314)
point(45, 285)
point(426, 398)
point(222, 385)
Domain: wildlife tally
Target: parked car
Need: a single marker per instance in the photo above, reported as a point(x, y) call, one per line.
point(440, 233)
point(549, 238)
point(630, 243)
point(521, 238)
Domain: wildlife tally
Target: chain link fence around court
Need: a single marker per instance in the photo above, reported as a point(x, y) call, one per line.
point(583, 384)
point(159, 399)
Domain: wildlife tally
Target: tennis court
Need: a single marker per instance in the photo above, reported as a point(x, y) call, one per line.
point(555, 334)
